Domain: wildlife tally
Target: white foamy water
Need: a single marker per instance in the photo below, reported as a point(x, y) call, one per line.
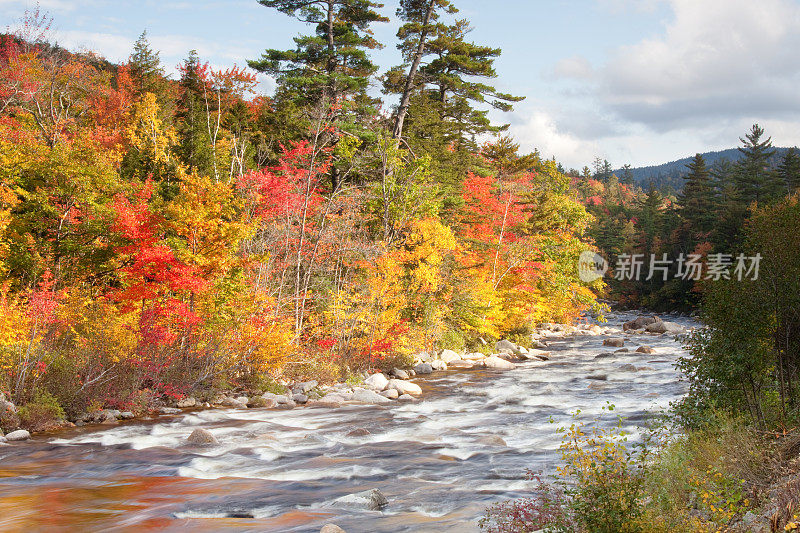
point(439, 461)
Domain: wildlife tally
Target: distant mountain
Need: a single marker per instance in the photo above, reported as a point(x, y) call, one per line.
point(672, 174)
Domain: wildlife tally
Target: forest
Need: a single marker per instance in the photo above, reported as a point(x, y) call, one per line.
point(165, 236)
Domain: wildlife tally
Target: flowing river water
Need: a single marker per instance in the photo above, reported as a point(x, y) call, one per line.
point(440, 461)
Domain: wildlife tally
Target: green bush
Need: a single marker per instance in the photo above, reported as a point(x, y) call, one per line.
point(43, 413)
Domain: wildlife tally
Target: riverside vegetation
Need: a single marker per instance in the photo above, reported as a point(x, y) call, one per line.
point(167, 241)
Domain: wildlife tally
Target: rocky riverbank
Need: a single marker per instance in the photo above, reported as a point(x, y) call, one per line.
point(395, 386)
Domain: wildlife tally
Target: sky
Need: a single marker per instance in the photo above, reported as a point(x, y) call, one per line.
point(632, 81)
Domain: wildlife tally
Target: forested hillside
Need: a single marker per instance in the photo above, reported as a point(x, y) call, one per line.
point(160, 236)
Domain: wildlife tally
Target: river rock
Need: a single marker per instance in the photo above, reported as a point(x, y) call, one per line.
point(377, 382)
point(496, 363)
point(165, 411)
point(597, 377)
point(373, 500)
point(423, 357)
point(622, 350)
point(438, 364)
point(127, 415)
point(594, 329)
point(359, 432)
point(307, 386)
point(505, 346)
point(423, 369)
point(405, 387)
point(300, 398)
point(392, 394)
point(400, 373)
point(492, 440)
point(369, 397)
point(615, 342)
point(406, 398)
point(541, 355)
point(331, 528)
point(640, 322)
point(605, 355)
point(645, 349)
point(460, 365)
point(201, 437)
point(474, 356)
point(449, 355)
point(596, 385)
point(665, 327)
point(233, 402)
point(19, 435)
point(627, 368)
point(187, 402)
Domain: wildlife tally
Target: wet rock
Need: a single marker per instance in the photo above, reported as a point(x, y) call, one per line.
point(594, 329)
point(3, 440)
point(400, 374)
point(597, 377)
point(377, 381)
point(282, 399)
point(645, 349)
point(372, 500)
point(300, 398)
point(449, 355)
point(127, 415)
point(438, 364)
point(665, 327)
point(614, 342)
point(186, 403)
point(168, 411)
point(423, 369)
point(369, 397)
point(262, 403)
point(232, 402)
point(492, 440)
point(475, 356)
point(535, 354)
point(622, 350)
point(392, 394)
point(460, 365)
point(406, 398)
point(243, 399)
point(496, 363)
point(605, 355)
point(202, 436)
point(17, 436)
point(359, 432)
point(640, 323)
point(423, 357)
point(627, 368)
point(645, 368)
point(331, 528)
point(291, 404)
point(596, 385)
point(405, 387)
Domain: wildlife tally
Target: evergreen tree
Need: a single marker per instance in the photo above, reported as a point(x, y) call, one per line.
point(145, 67)
point(331, 64)
point(194, 145)
point(755, 181)
point(627, 174)
point(696, 199)
point(789, 170)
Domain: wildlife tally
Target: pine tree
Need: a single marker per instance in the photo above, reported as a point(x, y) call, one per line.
point(145, 67)
point(331, 64)
point(696, 199)
point(789, 170)
point(755, 181)
point(193, 108)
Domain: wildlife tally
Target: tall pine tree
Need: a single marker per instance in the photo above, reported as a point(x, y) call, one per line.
point(696, 199)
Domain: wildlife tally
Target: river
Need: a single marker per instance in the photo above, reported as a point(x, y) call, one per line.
point(440, 461)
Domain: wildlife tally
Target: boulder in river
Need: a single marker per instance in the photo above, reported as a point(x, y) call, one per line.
point(541, 355)
point(404, 387)
point(449, 355)
point(665, 327)
point(614, 342)
point(359, 432)
point(233, 402)
point(377, 382)
point(460, 365)
point(640, 322)
point(370, 397)
point(505, 346)
point(438, 364)
point(392, 394)
point(645, 349)
point(406, 398)
point(400, 373)
point(474, 356)
point(302, 399)
point(331, 528)
point(496, 363)
point(423, 369)
point(627, 368)
point(201, 437)
point(19, 435)
point(372, 500)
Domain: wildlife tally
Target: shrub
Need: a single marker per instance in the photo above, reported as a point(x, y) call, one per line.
point(43, 413)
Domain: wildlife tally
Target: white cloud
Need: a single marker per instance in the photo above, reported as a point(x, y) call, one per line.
point(536, 129)
point(575, 67)
point(716, 59)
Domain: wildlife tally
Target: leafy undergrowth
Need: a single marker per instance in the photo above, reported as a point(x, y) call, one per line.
point(723, 477)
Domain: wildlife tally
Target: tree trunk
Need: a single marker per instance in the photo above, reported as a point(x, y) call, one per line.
point(412, 73)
